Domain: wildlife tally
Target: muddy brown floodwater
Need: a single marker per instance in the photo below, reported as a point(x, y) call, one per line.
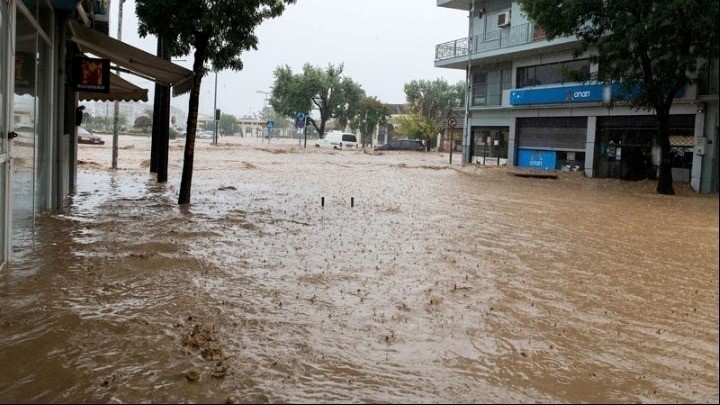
point(442, 284)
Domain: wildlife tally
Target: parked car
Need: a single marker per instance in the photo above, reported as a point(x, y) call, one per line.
point(402, 144)
point(337, 140)
point(84, 136)
point(205, 135)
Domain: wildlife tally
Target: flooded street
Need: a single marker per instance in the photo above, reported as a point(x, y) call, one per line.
point(416, 282)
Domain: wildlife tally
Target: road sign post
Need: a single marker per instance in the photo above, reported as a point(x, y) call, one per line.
point(270, 126)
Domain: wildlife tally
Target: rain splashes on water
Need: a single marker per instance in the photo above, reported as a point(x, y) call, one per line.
point(439, 284)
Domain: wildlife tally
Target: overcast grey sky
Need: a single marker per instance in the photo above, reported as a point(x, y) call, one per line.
point(383, 44)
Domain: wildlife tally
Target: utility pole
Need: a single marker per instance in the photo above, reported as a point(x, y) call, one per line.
point(265, 100)
point(215, 117)
point(116, 113)
point(468, 88)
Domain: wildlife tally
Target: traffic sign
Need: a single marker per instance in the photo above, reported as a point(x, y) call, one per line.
point(301, 116)
point(271, 124)
point(452, 122)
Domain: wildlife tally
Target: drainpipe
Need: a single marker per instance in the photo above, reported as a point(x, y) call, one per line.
point(468, 86)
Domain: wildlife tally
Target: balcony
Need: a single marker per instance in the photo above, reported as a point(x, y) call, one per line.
point(504, 38)
point(456, 4)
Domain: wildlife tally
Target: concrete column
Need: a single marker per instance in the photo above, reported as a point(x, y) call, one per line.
point(511, 141)
point(590, 146)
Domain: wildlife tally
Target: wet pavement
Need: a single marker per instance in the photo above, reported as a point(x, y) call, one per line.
point(416, 282)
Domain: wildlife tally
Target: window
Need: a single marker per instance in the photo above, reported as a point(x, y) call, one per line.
point(349, 138)
point(488, 87)
point(551, 73)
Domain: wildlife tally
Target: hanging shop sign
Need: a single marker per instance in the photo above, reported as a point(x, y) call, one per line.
point(91, 74)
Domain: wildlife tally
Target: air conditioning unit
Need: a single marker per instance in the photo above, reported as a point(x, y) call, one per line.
point(503, 19)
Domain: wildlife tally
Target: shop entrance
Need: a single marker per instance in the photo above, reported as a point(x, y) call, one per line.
point(490, 145)
point(627, 147)
point(4, 129)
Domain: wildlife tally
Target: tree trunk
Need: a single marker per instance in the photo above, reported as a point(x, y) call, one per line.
point(186, 182)
point(665, 180)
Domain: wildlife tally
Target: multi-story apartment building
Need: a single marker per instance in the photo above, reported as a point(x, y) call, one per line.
point(533, 104)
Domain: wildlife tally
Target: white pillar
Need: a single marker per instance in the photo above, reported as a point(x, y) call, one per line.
point(511, 141)
point(590, 146)
point(696, 173)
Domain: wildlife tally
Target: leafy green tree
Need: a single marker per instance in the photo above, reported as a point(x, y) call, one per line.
point(101, 122)
point(434, 99)
point(415, 126)
point(217, 32)
point(370, 113)
point(143, 122)
point(431, 103)
point(281, 121)
point(327, 91)
point(654, 48)
point(227, 124)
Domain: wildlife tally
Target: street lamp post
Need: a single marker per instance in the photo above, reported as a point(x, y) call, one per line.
point(215, 117)
point(116, 105)
point(264, 101)
point(468, 89)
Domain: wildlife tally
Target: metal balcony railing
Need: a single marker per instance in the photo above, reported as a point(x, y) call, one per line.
point(504, 38)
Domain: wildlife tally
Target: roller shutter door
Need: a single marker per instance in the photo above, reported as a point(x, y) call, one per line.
point(562, 133)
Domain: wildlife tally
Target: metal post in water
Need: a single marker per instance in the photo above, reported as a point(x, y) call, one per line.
point(352, 201)
point(322, 201)
point(116, 104)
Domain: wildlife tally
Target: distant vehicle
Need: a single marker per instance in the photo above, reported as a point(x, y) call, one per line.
point(24, 128)
point(84, 136)
point(403, 144)
point(205, 135)
point(337, 140)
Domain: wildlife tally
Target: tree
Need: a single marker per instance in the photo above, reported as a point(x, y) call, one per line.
point(430, 103)
point(327, 91)
point(227, 124)
point(143, 122)
point(281, 121)
point(416, 126)
point(654, 49)
point(218, 32)
point(101, 122)
point(370, 113)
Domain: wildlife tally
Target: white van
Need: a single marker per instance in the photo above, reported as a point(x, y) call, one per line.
point(337, 140)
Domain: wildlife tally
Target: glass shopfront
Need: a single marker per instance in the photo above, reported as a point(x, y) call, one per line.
point(490, 145)
point(626, 147)
point(4, 128)
point(30, 159)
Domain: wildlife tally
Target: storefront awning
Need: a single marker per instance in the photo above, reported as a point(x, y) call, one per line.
point(131, 58)
point(120, 90)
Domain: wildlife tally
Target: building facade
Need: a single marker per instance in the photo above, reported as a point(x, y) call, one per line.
point(533, 104)
point(41, 44)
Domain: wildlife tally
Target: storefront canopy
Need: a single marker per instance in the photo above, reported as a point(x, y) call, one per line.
point(133, 59)
point(120, 90)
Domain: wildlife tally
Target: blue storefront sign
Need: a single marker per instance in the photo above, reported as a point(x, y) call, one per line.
point(537, 159)
point(592, 93)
